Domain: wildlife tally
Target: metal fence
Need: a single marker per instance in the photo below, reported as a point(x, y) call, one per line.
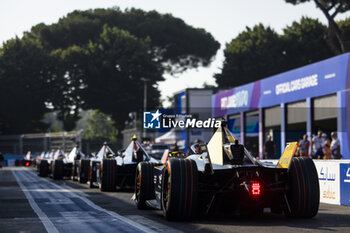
point(36, 143)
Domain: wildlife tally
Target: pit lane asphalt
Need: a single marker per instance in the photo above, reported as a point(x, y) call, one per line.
point(70, 211)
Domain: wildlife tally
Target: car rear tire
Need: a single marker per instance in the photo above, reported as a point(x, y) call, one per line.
point(93, 173)
point(304, 193)
point(84, 168)
point(144, 187)
point(75, 170)
point(107, 175)
point(57, 169)
point(179, 189)
point(43, 168)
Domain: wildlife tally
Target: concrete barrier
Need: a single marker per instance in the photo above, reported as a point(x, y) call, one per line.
point(9, 160)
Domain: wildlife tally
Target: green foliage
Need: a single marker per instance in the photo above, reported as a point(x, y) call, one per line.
point(117, 63)
point(176, 45)
point(24, 71)
point(305, 43)
point(207, 85)
point(95, 59)
point(260, 52)
point(340, 6)
point(337, 37)
point(252, 55)
point(99, 126)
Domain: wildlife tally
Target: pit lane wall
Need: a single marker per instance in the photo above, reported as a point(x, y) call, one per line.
point(334, 179)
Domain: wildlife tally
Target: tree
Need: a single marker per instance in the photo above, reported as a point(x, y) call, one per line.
point(24, 71)
point(67, 84)
point(252, 55)
point(260, 52)
point(99, 126)
point(336, 39)
point(175, 44)
point(96, 59)
point(103, 54)
point(117, 62)
point(304, 43)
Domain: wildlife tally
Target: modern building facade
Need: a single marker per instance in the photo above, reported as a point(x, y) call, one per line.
point(288, 105)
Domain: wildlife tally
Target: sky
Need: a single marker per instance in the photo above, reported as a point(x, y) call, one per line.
point(224, 19)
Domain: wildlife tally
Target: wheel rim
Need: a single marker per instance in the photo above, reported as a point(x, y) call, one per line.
point(166, 190)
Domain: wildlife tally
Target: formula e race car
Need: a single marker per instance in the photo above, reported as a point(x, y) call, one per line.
point(61, 165)
point(43, 163)
point(109, 170)
point(26, 161)
point(76, 155)
point(222, 176)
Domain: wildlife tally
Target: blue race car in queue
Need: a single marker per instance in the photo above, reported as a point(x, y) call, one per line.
point(222, 176)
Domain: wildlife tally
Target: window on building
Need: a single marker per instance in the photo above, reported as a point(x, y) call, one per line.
point(252, 132)
point(272, 126)
point(234, 125)
point(325, 114)
point(296, 121)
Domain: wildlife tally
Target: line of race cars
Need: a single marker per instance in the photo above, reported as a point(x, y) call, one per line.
point(220, 176)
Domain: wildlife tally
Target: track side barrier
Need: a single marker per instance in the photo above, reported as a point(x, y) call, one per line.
point(334, 179)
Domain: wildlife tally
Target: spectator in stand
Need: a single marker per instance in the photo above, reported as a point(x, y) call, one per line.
point(317, 145)
point(335, 146)
point(270, 148)
point(304, 145)
point(326, 147)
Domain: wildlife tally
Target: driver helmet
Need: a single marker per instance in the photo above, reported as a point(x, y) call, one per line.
point(177, 154)
point(196, 148)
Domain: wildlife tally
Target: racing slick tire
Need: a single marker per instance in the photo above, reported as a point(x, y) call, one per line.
point(75, 170)
point(179, 189)
point(93, 169)
point(303, 196)
point(84, 167)
point(57, 169)
point(144, 187)
point(43, 168)
point(107, 175)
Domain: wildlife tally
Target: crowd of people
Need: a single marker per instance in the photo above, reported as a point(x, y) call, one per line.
point(321, 147)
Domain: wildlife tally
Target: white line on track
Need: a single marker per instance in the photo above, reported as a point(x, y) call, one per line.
point(47, 222)
point(42, 216)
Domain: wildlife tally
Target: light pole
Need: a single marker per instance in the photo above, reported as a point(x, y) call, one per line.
point(144, 101)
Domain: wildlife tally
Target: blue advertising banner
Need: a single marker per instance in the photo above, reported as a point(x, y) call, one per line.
point(321, 78)
point(344, 184)
point(236, 100)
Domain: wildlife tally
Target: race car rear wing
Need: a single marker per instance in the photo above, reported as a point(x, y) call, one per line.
point(287, 155)
point(215, 147)
point(223, 138)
